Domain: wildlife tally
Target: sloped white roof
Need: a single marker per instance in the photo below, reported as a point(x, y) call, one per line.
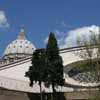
point(12, 76)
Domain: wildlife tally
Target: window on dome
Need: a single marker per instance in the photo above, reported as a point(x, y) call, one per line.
point(27, 47)
point(11, 59)
point(20, 46)
point(14, 46)
point(21, 41)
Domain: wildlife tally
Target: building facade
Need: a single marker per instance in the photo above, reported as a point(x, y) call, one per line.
point(16, 61)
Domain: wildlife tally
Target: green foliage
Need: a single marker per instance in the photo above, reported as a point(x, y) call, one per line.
point(47, 65)
point(80, 67)
point(90, 50)
point(91, 53)
point(54, 63)
point(36, 71)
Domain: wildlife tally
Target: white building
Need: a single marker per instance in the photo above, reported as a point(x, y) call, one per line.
point(16, 61)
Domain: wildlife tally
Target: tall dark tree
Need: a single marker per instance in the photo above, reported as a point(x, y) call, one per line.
point(54, 63)
point(36, 71)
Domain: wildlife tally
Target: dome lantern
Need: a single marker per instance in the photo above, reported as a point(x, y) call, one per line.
point(21, 35)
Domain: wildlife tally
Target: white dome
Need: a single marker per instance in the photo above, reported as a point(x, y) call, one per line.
point(20, 46)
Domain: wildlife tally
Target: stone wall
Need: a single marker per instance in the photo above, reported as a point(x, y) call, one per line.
point(16, 95)
point(80, 95)
point(12, 95)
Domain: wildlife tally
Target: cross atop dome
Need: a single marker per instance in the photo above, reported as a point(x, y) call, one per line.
point(21, 35)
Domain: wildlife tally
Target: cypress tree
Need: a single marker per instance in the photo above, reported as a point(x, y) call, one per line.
point(54, 63)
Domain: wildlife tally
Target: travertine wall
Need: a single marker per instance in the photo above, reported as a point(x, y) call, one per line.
point(12, 95)
point(15, 95)
point(79, 95)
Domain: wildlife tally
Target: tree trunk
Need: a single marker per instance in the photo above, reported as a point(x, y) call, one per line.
point(53, 90)
point(41, 98)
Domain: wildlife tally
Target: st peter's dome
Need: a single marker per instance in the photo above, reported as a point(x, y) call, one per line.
point(21, 47)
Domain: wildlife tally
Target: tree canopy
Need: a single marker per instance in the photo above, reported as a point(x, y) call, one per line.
point(54, 63)
point(47, 66)
point(36, 72)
